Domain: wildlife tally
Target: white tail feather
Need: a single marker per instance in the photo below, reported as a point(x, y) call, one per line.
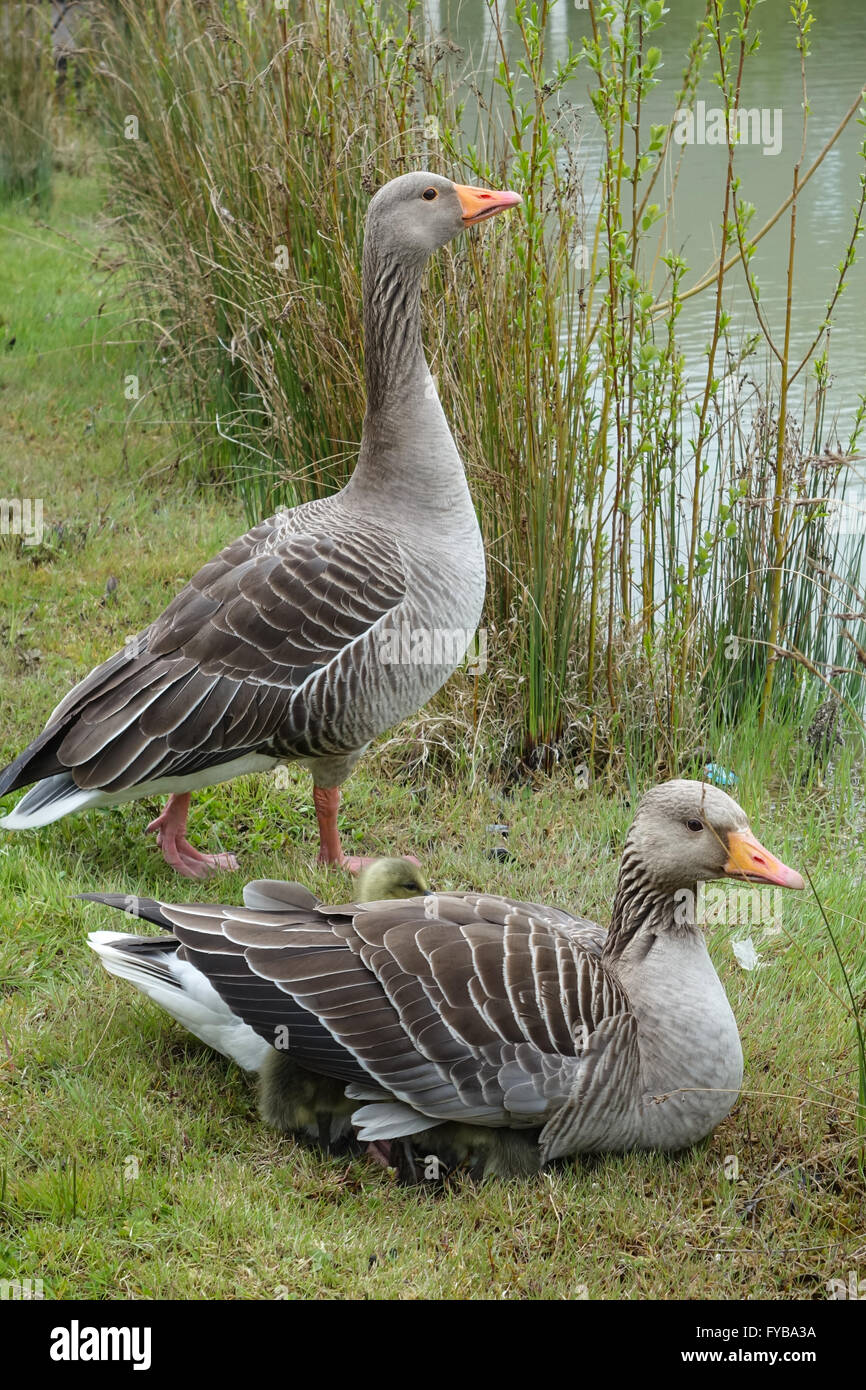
point(21, 817)
point(184, 993)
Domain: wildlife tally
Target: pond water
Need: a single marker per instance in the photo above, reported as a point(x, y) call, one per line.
point(836, 71)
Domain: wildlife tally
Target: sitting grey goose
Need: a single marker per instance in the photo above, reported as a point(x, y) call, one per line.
point(483, 1031)
point(322, 626)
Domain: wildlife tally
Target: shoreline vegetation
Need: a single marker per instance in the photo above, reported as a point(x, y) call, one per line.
point(179, 354)
point(654, 552)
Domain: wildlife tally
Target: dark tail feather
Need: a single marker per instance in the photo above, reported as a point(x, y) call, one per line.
point(39, 758)
point(37, 761)
point(133, 906)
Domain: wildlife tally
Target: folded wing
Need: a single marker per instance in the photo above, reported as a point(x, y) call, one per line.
point(460, 1007)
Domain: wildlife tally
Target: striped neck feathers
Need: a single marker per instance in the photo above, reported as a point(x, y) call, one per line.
point(408, 458)
point(394, 362)
point(643, 910)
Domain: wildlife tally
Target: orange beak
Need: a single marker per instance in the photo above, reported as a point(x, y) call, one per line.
point(480, 203)
point(748, 859)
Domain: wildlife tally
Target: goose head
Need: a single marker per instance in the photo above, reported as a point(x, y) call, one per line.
point(391, 878)
point(689, 832)
point(413, 215)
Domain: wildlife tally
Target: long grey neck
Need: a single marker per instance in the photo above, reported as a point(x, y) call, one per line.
point(687, 1035)
point(394, 360)
point(408, 458)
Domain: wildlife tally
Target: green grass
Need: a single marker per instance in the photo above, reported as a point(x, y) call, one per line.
point(100, 1085)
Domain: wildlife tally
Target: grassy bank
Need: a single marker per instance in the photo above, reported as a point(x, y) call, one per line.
point(132, 1160)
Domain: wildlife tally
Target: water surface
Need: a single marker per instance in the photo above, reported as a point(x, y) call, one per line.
point(836, 71)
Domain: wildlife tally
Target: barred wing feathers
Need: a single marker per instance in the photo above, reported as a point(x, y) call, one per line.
point(217, 676)
point(458, 1006)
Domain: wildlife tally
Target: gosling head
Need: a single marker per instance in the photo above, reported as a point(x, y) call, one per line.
point(416, 213)
point(687, 832)
point(391, 878)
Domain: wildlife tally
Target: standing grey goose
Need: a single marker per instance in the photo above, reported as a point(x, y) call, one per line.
point(497, 1033)
point(322, 626)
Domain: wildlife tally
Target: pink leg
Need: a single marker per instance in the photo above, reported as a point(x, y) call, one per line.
point(176, 849)
point(327, 802)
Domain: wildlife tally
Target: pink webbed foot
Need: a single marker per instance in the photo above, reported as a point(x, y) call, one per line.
point(357, 863)
point(170, 830)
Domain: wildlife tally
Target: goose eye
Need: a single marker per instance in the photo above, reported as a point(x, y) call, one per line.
point(694, 825)
point(429, 194)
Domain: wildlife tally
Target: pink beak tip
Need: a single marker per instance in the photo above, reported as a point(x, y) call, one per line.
point(791, 878)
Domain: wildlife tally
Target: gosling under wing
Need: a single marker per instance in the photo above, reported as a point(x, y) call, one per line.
point(451, 1009)
point(457, 1007)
